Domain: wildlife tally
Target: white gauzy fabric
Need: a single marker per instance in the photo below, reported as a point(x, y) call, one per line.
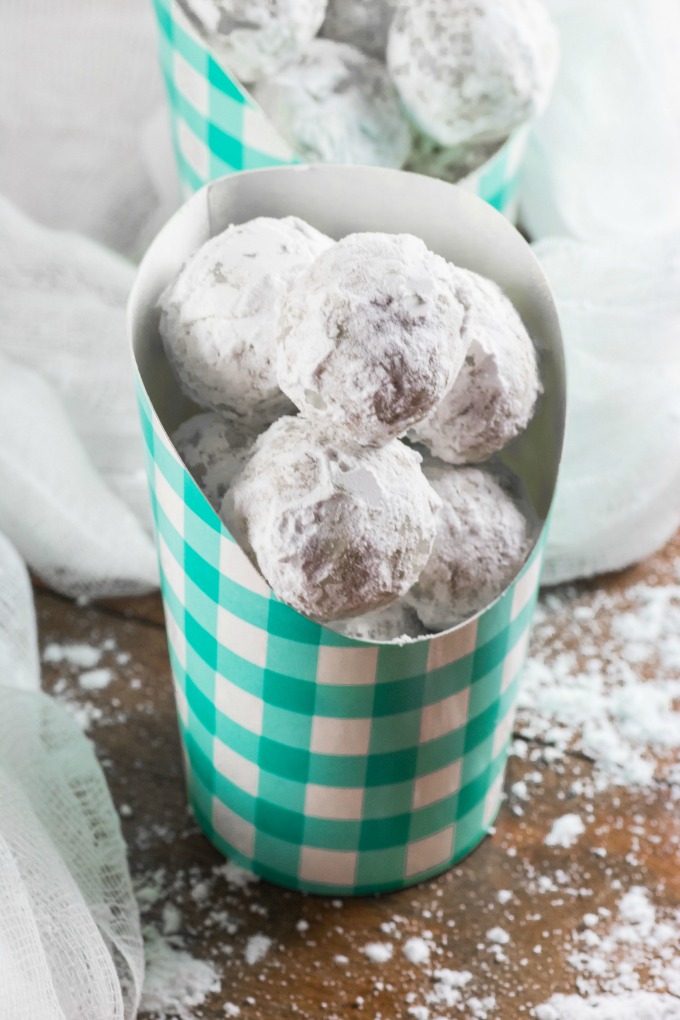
point(618, 495)
point(62, 313)
point(70, 942)
point(82, 146)
point(18, 635)
point(74, 498)
point(79, 82)
point(604, 160)
point(54, 506)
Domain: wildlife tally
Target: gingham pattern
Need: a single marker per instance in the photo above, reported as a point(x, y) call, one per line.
point(218, 128)
point(320, 762)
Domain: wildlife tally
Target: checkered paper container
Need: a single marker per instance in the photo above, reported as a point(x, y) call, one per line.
point(219, 129)
point(320, 762)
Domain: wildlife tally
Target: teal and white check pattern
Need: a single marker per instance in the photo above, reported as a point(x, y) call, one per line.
point(218, 128)
point(319, 762)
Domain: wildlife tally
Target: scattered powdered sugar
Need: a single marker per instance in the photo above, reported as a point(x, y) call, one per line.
point(627, 968)
point(629, 1006)
point(636, 908)
point(85, 715)
point(447, 992)
point(177, 982)
point(236, 876)
point(81, 663)
point(174, 981)
point(481, 1009)
point(623, 959)
point(638, 950)
point(610, 691)
point(79, 655)
point(416, 950)
point(654, 624)
point(257, 948)
point(447, 986)
point(565, 831)
point(95, 679)
point(172, 919)
point(378, 952)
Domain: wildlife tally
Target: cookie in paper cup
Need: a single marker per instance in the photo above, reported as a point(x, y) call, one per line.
point(219, 129)
point(321, 762)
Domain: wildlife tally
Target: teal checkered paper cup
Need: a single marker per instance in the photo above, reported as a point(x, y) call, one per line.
point(218, 128)
point(320, 762)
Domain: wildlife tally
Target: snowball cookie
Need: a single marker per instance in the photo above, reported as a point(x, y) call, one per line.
point(452, 163)
point(373, 334)
point(214, 450)
point(482, 541)
point(361, 23)
point(219, 316)
point(397, 622)
point(254, 38)
point(494, 395)
point(470, 72)
point(337, 529)
point(336, 105)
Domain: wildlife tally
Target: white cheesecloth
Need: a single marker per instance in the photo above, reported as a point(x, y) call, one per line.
point(599, 193)
point(84, 148)
point(80, 114)
point(70, 942)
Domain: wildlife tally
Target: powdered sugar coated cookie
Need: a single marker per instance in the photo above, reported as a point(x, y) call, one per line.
point(494, 395)
point(361, 23)
point(219, 316)
point(214, 450)
point(337, 529)
point(482, 542)
point(254, 38)
point(333, 104)
point(373, 335)
point(471, 72)
point(448, 163)
point(395, 623)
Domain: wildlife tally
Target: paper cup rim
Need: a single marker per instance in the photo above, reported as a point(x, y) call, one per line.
point(205, 204)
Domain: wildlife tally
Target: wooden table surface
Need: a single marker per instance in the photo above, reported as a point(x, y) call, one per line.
point(315, 966)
